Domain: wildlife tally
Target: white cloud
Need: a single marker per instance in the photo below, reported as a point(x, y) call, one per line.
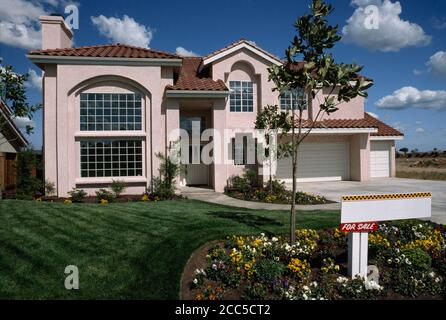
point(419, 130)
point(392, 33)
point(125, 30)
point(184, 52)
point(23, 122)
point(374, 115)
point(400, 126)
point(19, 21)
point(437, 63)
point(34, 80)
point(418, 122)
point(439, 23)
point(410, 97)
point(417, 72)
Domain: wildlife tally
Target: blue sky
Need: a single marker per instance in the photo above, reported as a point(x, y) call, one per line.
point(396, 55)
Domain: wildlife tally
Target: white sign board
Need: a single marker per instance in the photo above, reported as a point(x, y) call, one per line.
point(385, 207)
point(362, 212)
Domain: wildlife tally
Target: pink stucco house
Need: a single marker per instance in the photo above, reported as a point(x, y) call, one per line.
point(108, 109)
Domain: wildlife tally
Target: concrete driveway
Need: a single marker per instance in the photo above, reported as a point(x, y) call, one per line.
point(334, 190)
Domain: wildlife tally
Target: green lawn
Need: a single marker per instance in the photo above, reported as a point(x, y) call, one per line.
point(123, 251)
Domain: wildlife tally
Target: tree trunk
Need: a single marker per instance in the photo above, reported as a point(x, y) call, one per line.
point(293, 196)
point(270, 175)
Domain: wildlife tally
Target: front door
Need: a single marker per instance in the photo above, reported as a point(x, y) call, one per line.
point(196, 173)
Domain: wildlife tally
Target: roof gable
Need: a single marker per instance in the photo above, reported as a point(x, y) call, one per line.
point(10, 130)
point(238, 45)
point(193, 77)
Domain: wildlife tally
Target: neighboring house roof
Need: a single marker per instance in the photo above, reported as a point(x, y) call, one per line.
point(367, 122)
point(107, 51)
point(11, 132)
point(193, 77)
point(242, 43)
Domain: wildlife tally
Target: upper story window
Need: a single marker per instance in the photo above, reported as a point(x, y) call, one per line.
point(110, 111)
point(241, 98)
point(292, 99)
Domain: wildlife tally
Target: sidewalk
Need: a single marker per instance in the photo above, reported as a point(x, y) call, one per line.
point(208, 195)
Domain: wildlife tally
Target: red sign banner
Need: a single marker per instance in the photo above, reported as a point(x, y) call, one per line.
point(358, 226)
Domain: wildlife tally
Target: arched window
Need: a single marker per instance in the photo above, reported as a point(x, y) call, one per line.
point(292, 99)
point(110, 111)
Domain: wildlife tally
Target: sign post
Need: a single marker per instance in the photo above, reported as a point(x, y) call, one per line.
point(360, 214)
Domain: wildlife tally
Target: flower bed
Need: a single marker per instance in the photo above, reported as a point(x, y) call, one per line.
point(410, 258)
point(263, 195)
point(247, 187)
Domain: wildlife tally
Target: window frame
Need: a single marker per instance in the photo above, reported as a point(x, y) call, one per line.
point(239, 96)
point(121, 117)
point(291, 96)
point(113, 164)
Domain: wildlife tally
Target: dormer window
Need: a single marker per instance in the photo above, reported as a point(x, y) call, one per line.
point(241, 98)
point(292, 99)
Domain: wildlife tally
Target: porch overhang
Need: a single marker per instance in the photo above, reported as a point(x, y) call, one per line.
point(339, 130)
point(386, 138)
point(196, 94)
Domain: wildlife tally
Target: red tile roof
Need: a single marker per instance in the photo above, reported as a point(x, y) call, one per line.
point(367, 122)
point(383, 129)
point(107, 51)
point(193, 77)
point(251, 43)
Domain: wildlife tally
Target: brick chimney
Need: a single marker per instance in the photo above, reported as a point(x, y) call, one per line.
point(55, 32)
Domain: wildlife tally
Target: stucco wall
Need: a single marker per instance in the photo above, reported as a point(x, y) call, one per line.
point(354, 109)
point(61, 106)
point(360, 157)
point(244, 65)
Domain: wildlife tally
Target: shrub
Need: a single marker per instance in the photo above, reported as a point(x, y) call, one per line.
point(256, 291)
point(269, 271)
point(118, 187)
point(240, 184)
point(305, 198)
point(77, 195)
point(28, 186)
point(50, 188)
point(277, 186)
point(419, 259)
point(104, 194)
point(164, 185)
point(251, 178)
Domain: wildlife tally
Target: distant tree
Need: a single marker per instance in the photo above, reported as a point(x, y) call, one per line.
point(405, 151)
point(13, 93)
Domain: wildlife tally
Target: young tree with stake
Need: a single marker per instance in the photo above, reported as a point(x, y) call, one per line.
point(308, 69)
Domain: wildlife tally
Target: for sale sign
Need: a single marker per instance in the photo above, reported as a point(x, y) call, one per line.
point(360, 214)
point(358, 226)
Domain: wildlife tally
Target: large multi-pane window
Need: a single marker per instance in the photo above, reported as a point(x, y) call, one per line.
point(110, 111)
point(111, 158)
point(241, 98)
point(292, 99)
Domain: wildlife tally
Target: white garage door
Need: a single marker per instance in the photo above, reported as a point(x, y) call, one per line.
point(317, 162)
point(379, 159)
